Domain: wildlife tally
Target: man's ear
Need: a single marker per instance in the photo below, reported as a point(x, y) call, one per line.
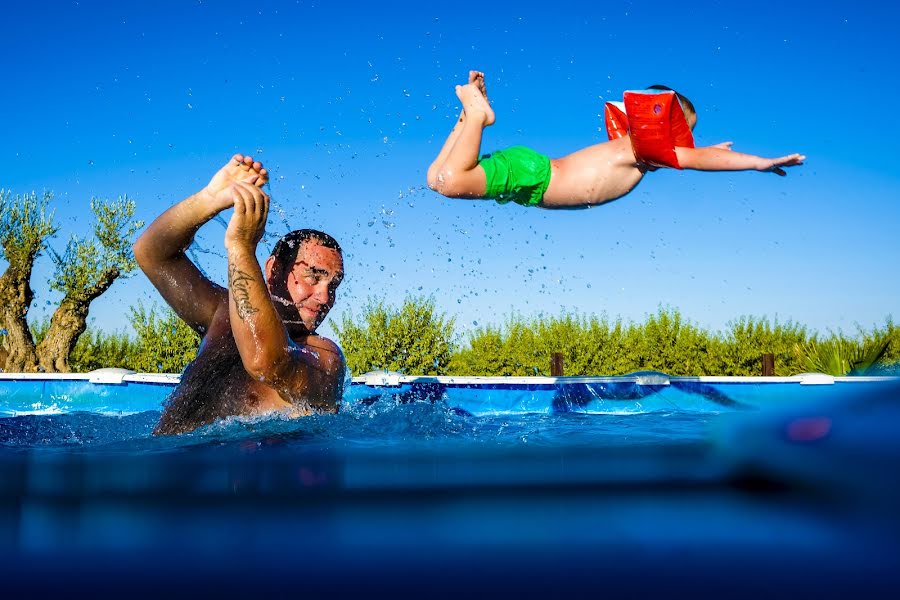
point(270, 270)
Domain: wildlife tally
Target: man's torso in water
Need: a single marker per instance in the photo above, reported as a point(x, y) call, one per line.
point(216, 385)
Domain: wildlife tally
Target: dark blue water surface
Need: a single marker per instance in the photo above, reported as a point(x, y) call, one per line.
point(414, 498)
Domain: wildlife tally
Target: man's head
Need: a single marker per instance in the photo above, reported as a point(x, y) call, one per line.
point(303, 273)
point(687, 107)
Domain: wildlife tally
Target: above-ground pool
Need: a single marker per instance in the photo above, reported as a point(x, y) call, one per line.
point(443, 486)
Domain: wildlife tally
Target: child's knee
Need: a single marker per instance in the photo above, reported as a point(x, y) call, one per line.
point(446, 182)
point(432, 178)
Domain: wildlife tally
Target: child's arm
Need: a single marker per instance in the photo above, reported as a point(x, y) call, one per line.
point(722, 158)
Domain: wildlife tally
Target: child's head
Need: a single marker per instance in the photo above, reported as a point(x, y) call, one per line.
point(690, 114)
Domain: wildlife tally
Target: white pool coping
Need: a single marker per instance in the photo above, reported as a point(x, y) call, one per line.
point(388, 379)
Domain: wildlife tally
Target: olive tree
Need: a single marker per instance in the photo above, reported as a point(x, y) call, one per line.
point(84, 271)
point(25, 225)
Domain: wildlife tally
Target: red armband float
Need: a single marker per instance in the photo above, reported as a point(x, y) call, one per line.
point(656, 123)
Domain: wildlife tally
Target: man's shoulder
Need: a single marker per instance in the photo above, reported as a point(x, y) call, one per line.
point(220, 324)
point(318, 341)
point(329, 353)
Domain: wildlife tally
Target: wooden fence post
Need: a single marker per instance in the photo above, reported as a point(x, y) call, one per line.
point(556, 364)
point(768, 365)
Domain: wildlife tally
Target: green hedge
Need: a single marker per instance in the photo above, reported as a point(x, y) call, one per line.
point(592, 346)
point(416, 339)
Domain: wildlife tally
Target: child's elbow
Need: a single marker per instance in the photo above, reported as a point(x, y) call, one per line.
point(687, 157)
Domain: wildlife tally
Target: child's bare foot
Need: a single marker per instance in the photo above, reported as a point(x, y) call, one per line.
point(239, 169)
point(477, 77)
point(475, 103)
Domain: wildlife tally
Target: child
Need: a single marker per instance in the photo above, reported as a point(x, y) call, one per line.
point(589, 177)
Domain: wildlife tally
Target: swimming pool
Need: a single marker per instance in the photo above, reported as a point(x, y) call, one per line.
point(449, 486)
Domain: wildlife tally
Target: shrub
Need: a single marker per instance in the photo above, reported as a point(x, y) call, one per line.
point(412, 339)
point(165, 343)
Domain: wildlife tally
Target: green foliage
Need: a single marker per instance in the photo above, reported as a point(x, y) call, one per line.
point(838, 355)
point(95, 349)
point(412, 339)
point(666, 342)
point(891, 356)
point(513, 349)
point(165, 343)
point(748, 338)
point(114, 230)
point(88, 266)
point(25, 225)
point(590, 346)
point(415, 340)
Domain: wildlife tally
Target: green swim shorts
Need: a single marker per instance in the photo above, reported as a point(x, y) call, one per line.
point(517, 174)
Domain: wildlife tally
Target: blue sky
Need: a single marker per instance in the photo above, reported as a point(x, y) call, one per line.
point(348, 104)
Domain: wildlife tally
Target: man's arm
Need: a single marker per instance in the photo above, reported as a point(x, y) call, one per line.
point(721, 158)
point(160, 250)
point(311, 372)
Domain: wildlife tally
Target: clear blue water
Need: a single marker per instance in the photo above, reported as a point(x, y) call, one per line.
point(445, 497)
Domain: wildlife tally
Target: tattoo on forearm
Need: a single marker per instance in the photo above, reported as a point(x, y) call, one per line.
point(240, 281)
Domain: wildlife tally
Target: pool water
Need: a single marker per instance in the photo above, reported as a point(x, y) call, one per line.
point(417, 494)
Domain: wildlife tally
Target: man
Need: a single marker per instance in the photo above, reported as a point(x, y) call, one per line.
point(260, 353)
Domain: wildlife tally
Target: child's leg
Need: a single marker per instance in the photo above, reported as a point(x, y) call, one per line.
point(476, 77)
point(435, 166)
point(459, 176)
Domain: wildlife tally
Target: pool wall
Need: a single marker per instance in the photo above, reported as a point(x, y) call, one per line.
point(120, 392)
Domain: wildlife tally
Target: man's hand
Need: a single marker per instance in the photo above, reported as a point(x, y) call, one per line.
point(773, 165)
point(240, 169)
point(251, 209)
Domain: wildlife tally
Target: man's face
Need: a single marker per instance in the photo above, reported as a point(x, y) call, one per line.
point(312, 282)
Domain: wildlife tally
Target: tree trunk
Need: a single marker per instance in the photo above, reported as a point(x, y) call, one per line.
point(15, 298)
point(67, 324)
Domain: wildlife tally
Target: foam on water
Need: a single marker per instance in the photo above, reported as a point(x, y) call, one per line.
point(386, 425)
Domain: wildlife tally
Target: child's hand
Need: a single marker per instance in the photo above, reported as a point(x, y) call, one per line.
point(723, 145)
point(773, 165)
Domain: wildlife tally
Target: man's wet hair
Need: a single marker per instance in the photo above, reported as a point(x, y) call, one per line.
point(285, 250)
point(685, 103)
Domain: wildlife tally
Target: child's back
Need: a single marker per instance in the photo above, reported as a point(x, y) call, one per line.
point(594, 175)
